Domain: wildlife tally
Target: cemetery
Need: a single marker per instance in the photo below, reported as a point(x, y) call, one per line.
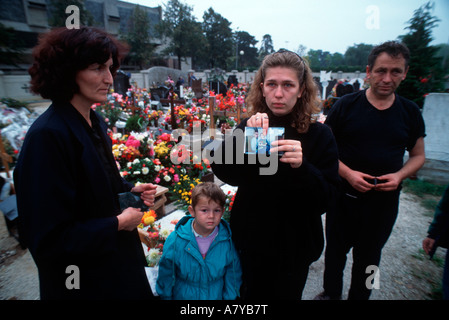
point(157, 131)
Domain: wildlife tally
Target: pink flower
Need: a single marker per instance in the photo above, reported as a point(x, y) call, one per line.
point(176, 178)
point(157, 180)
point(132, 142)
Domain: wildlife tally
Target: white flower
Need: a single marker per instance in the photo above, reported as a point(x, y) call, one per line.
point(158, 168)
point(136, 173)
point(154, 253)
point(136, 161)
point(153, 257)
point(141, 104)
point(164, 233)
point(145, 170)
point(167, 178)
point(129, 164)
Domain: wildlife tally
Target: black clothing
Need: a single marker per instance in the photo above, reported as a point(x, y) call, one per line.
point(374, 142)
point(300, 196)
point(363, 223)
point(67, 202)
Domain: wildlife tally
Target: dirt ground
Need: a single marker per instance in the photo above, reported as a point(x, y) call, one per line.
point(405, 272)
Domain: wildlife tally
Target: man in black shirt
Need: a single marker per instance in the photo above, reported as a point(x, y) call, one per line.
point(373, 128)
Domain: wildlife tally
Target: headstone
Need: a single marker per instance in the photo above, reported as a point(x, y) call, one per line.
point(436, 119)
point(325, 77)
point(121, 82)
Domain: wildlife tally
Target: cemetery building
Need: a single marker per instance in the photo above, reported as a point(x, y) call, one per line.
point(29, 18)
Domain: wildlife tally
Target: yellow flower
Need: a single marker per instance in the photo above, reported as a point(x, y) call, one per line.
point(148, 220)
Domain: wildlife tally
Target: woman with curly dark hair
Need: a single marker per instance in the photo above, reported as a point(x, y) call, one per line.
point(276, 255)
point(67, 181)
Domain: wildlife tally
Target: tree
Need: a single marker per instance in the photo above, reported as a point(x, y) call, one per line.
point(319, 59)
point(245, 43)
point(138, 38)
point(11, 48)
point(425, 73)
point(302, 50)
point(185, 33)
point(357, 55)
point(266, 47)
point(219, 36)
point(58, 16)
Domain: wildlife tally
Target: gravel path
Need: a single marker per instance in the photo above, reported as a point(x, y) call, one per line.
point(405, 273)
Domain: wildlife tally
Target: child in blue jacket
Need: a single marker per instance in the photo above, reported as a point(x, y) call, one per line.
point(199, 260)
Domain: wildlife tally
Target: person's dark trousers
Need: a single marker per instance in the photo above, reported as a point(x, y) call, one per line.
point(446, 277)
point(281, 278)
point(363, 223)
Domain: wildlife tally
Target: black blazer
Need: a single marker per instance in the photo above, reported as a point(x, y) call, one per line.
point(67, 212)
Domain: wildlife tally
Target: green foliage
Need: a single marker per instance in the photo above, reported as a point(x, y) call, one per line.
point(354, 59)
point(245, 43)
point(425, 74)
point(184, 31)
point(138, 38)
point(11, 48)
point(135, 123)
point(219, 36)
point(421, 188)
point(266, 47)
point(13, 103)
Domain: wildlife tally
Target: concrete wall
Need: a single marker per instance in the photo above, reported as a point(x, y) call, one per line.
point(17, 87)
point(436, 118)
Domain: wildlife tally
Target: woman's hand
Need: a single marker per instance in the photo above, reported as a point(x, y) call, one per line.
point(129, 219)
point(259, 120)
point(148, 191)
point(292, 151)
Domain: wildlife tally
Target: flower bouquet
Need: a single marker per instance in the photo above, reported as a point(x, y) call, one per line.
point(139, 171)
point(111, 110)
point(153, 237)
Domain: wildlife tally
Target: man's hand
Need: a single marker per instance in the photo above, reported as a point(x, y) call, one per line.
point(389, 182)
point(428, 244)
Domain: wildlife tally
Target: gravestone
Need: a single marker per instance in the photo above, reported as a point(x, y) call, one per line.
point(436, 119)
point(197, 87)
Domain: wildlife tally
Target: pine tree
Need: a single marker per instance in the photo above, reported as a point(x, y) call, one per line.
point(425, 72)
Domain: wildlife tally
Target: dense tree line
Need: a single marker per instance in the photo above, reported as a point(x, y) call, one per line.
point(212, 43)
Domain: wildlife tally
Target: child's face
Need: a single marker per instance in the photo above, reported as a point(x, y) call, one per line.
point(207, 214)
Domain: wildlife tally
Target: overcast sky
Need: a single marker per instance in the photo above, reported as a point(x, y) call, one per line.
point(330, 25)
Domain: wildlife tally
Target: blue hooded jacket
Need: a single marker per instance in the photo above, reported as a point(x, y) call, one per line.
point(185, 275)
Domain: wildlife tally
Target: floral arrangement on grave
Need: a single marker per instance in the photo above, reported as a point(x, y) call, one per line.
point(111, 109)
point(153, 117)
point(189, 94)
point(230, 197)
point(155, 237)
point(127, 148)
